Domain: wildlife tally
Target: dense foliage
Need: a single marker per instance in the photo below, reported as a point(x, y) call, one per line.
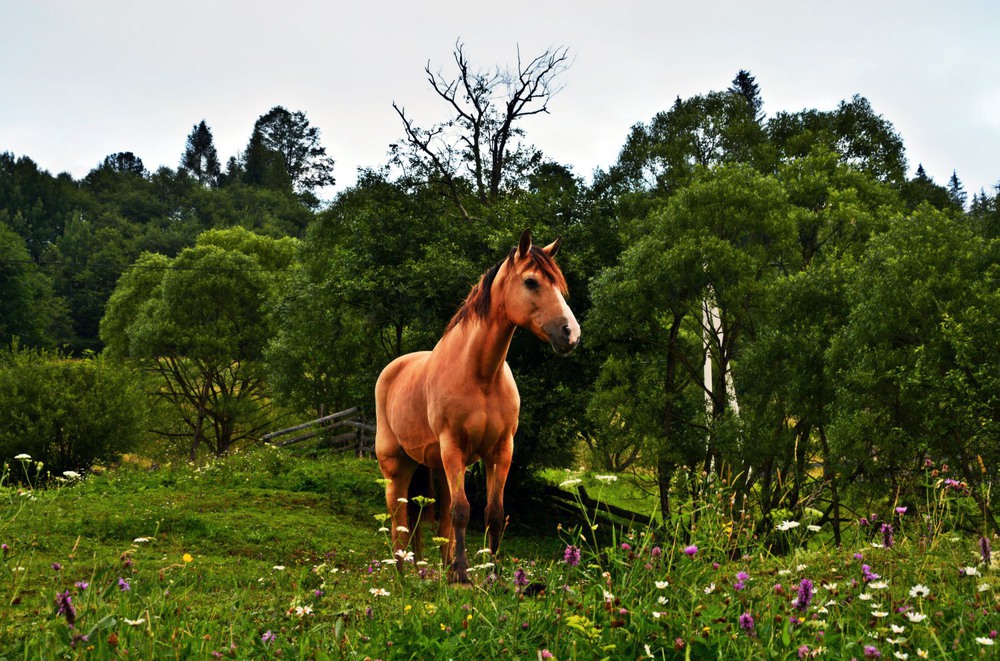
point(764, 297)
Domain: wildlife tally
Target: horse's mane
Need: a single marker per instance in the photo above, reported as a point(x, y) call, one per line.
point(477, 303)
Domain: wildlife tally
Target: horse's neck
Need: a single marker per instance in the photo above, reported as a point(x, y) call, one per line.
point(479, 347)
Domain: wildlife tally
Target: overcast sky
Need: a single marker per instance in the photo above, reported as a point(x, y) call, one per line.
point(83, 79)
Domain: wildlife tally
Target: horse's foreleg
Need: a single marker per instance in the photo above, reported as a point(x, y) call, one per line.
point(497, 467)
point(454, 471)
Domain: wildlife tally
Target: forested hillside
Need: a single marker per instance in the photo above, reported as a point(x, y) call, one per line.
point(765, 293)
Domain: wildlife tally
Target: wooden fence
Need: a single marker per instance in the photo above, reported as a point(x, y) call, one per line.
point(597, 510)
point(338, 432)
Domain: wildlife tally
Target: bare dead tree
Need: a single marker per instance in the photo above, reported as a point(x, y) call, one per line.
point(480, 145)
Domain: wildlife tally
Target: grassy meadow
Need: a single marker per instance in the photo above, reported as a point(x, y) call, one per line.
point(268, 555)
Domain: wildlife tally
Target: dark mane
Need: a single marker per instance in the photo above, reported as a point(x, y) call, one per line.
point(477, 303)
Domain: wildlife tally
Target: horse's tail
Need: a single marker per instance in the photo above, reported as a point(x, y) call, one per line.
point(421, 484)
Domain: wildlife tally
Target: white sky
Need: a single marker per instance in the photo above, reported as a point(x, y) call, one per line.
point(83, 79)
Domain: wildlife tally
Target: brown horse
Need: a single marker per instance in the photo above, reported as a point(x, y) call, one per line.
point(448, 408)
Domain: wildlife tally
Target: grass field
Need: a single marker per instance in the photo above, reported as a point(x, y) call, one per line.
point(268, 555)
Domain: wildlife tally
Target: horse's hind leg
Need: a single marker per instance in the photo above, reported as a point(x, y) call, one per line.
point(398, 469)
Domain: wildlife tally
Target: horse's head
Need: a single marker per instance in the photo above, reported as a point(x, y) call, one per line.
point(534, 291)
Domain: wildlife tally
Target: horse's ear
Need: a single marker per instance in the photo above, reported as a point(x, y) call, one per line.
point(553, 247)
point(525, 244)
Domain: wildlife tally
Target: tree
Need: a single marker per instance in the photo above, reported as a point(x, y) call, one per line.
point(863, 138)
point(200, 158)
point(480, 146)
point(124, 162)
point(746, 86)
point(956, 192)
point(290, 136)
point(29, 309)
point(200, 322)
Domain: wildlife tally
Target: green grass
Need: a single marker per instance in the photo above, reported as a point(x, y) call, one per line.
point(266, 555)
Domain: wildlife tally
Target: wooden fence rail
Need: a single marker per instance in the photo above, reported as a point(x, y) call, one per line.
point(355, 434)
point(596, 509)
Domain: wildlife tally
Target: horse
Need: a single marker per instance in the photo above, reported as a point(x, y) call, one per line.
point(447, 408)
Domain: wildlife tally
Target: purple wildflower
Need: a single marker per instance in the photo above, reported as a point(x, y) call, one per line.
point(656, 551)
point(317, 593)
point(65, 603)
point(83, 585)
point(626, 546)
point(803, 651)
point(123, 585)
point(868, 574)
point(747, 623)
point(571, 556)
point(858, 556)
point(901, 511)
point(805, 595)
point(520, 578)
point(4, 548)
point(887, 535)
point(690, 551)
point(863, 522)
point(742, 576)
point(56, 566)
point(871, 652)
point(268, 636)
point(985, 550)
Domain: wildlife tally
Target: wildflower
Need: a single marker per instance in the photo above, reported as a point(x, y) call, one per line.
point(656, 551)
point(967, 571)
point(868, 574)
point(123, 585)
point(984, 641)
point(710, 589)
point(805, 594)
point(901, 655)
point(402, 529)
point(606, 478)
point(278, 568)
point(923, 654)
point(134, 623)
point(545, 654)
point(402, 500)
point(985, 550)
point(662, 600)
point(56, 566)
point(787, 525)
point(747, 622)
point(607, 596)
point(65, 603)
point(268, 636)
point(858, 556)
point(405, 556)
point(916, 617)
point(140, 540)
point(690, 551)
point(379, 592)
point(864, 596)
point(83, 585)
point(919, 590)
point(23, 457)
point(71, 475)
point(878, 585)
point(901, 511)
point(4, 548)
point(983, 587)
point(880, 614)
point(570, 483)
point(661, 584)
point(626, 546)
point(188, 558)
point(813, 528)
point(896, 629)
point(520, 578)
point(830, 587)
point(871, 652)
point(656, 614)
point(803, 651)
point(887, 535)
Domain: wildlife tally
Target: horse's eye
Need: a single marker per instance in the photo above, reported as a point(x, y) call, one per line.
point(531, 284)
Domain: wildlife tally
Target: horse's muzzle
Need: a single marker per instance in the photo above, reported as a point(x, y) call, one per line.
point(565, 337)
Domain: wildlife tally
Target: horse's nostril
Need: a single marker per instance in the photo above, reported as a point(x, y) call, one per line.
point(567, 331)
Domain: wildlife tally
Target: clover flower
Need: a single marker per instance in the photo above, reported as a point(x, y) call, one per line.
point(571, 556)
point(690, 551)
point(747, 622)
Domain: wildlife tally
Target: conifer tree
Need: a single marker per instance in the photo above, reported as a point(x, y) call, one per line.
point(200, 159)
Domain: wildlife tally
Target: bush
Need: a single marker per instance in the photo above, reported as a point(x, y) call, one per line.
point(67, 413)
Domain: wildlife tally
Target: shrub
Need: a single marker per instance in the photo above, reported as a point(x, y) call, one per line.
point(67, 413)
